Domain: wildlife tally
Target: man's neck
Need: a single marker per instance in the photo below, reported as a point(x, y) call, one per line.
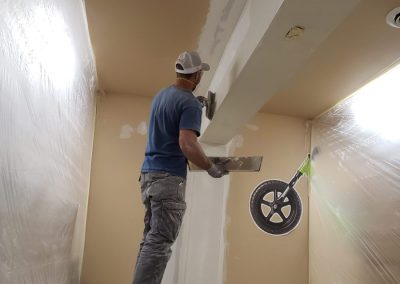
point(185, 84)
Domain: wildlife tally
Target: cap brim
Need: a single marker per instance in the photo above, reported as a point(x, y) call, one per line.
point(205, 67)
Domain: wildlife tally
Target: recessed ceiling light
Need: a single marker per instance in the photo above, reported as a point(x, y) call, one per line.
point(393, 18)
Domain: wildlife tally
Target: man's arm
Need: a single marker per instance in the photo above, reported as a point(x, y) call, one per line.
point(192, 150)
point(194, 153)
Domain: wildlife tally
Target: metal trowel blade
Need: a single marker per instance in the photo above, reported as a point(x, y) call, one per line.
point(234, 164)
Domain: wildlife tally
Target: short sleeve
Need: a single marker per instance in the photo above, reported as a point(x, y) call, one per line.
point(191, 119)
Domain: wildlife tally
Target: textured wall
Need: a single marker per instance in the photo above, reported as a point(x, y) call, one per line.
point(47, 81)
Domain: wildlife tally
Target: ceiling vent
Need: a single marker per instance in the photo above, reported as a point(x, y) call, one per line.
point(393, 18)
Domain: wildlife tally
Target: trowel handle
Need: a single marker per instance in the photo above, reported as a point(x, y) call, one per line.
point(202, 100)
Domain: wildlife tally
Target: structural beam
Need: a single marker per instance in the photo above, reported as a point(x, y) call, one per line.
point(259, 60)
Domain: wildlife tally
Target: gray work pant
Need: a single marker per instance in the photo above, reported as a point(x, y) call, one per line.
point(163, 196)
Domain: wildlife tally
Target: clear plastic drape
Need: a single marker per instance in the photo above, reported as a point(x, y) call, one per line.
point(47, 84)
point(355, 188)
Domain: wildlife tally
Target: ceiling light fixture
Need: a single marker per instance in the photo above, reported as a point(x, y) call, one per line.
point(393, 18)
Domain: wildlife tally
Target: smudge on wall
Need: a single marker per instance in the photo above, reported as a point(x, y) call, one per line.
point(128, 130)
point(142, 128)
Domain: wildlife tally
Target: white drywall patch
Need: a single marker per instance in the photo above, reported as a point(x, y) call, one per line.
point(221, 20)
point(202, 247)
point(126, 131)
point(238, 141)
point(252, 127)
point(142, 128)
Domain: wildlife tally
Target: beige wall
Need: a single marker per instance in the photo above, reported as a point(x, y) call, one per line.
point(115, 217)
point(115, 213)
point(253, 256)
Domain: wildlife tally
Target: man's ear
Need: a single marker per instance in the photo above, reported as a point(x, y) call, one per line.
point(198, 77)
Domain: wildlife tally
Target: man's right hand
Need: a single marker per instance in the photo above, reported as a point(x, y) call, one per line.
point(217, 171)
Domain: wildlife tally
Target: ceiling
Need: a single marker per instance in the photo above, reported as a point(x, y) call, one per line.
point(345, 44)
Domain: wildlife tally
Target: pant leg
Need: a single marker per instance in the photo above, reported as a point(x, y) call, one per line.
point(144, 184)
point(167, 206)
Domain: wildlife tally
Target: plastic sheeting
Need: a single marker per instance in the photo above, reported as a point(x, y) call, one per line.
point(47, 84)
point(355, 188)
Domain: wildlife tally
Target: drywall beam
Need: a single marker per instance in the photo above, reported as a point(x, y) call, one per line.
point(259, 60)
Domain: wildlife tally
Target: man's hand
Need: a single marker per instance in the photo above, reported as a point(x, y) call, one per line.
point(217, 171)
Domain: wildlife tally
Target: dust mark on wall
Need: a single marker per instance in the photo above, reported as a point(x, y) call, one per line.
point(252, 127)
point(238, 141)
point(126, 131)
point(142, 128)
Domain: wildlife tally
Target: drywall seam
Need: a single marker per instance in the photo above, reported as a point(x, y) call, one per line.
point(221, 20)
point(224, 240)
point(254, 20)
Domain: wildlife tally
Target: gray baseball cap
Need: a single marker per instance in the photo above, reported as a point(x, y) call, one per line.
point(189, 62)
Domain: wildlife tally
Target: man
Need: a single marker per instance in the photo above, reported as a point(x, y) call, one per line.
point(175, 121)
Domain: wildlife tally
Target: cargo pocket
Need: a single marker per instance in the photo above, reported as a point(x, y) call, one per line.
point(171, 219)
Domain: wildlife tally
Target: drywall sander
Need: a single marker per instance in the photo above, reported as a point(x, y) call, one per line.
point(275, 206)
point(208, 103)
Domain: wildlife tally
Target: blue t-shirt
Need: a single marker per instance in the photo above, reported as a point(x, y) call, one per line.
point(172, 109)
